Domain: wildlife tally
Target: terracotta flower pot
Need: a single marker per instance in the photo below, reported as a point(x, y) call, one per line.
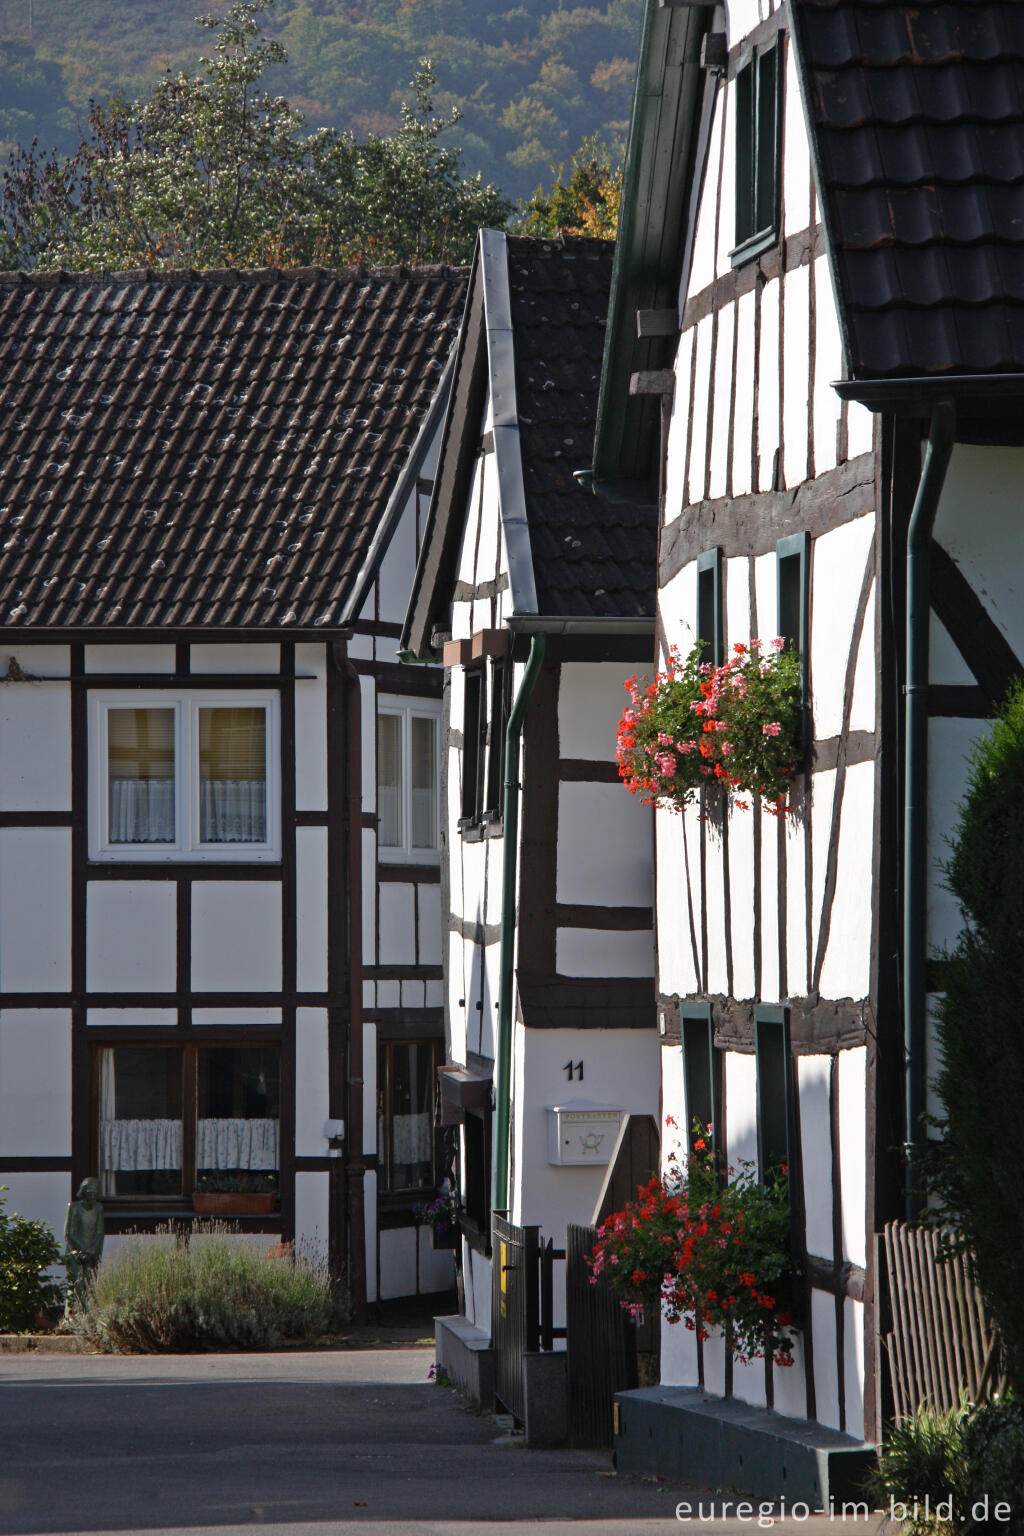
point(236, 1204)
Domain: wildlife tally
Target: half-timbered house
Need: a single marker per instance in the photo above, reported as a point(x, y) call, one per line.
point(814, 355)
point(540, 599)
point(220, 926)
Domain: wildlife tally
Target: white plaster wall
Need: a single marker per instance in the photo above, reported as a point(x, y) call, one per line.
point(247, 657)
point(737, 601)
point(748, 1382)
point(478, 1290)
point(236, 936)
point(394, 579)
point(949, 744)
point(714, 902)
point(311, 729)
point(838, 559)
point(38, 1197)
point(813, 1074)
point(823, 794)
point(369, 1089)
point(676, 973)
point(35, 909)
point(860, 430)
point(791, 1382)
point(743, 390)
point(678, 1355)
point(599, 952)
point(232, 1016)
point(35, 1083)
point(370, 1233)
point(796, 348)
point(430, 919)
point(767, 596)
point(131, 935)
point(796, 167)
point(591, 698)
point(702, 266)
point(311, 1102)
point(853, 1340)
point(312, 1212)
point(945, 663)
point(397, 1263)
point(741, 1108)
point(311, 908)
point(620, 1068)
point(768, 402)
point(853, 1152)
point(605, 846)
point(826, 1378)
point(769, 907)
point(847, 968)
point(978, 523)
point(437, 1267)
point(828, 366)
point(35, 747)
point(701, 402)
point(741, 878)
point(862, 712)
point(369, 879)
point(678, 431)
point(798, 973)
point(37, 660)
point(146, 1018)
point(129, 658)
point(723, 391)
point(397, 944)
point(368, 742)
point(456, 1016)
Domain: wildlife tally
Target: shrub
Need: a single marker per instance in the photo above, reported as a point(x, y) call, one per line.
point(27, 1248)
point(923, 1460)
point(993, 1441)
point(974, 1172)
point(210, 1292)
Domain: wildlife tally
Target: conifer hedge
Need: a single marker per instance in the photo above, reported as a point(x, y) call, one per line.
point(976, 1171)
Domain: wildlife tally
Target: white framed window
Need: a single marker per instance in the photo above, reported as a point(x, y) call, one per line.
point(408, 779)
point(184, 774)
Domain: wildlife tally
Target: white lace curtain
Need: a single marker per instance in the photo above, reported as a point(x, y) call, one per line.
point(412, 1139)
point(133, 1146)
point(230, 811)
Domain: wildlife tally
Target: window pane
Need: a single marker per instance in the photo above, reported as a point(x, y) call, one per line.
point(389, 780)
point(412, 1122)
point(424, 782)
point(140, 763)
point(233, 774)
point(140, 1121)
point(238, 1108)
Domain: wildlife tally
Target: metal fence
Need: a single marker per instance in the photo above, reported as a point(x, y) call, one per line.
point(942, 1342)
point(601, 1341)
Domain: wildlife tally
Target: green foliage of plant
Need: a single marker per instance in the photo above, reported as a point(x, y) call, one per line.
point(565, 68)
point(961, 1462)
point(974, 1171)
point(210, 1291)
point(585, 203)
point(237, 1184)
point(27, 1248)
point(210, 170)
point(710, 1245)
point(736, 725)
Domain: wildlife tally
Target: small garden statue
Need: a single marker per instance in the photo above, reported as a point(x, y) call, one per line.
point(83, 1238)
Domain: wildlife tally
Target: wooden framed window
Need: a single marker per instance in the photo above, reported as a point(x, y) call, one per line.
point(500, 700)
point(774, 1090)
point(710, 627)
point(184, 776)
point(474, 745)
point(476, 1195)
point(407, 1153)
point(172, 1119)
point(793, 572)
point(408, 780)
point(758, 113)
point(700, 1071)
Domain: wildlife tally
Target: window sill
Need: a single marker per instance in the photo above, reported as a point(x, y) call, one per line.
point(474, 830)
point(755, 246)
point(478, 1239)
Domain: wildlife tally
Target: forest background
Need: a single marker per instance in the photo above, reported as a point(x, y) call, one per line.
point(532, 80)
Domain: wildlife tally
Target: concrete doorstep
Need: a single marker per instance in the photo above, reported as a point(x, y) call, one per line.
point(39, 1343)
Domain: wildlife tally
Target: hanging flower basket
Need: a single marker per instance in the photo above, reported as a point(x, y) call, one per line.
point(735, 727)
point(712, 1248)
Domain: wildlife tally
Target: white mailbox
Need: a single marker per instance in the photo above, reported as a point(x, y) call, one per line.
point(580, 1134)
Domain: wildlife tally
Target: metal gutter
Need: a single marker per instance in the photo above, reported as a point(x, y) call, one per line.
point(510, 841)
point(505, 419)
point(544, 624)
point(994, 394)
point(941, 437)
point(405, 486)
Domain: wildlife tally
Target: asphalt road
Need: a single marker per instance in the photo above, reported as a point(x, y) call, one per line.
point(301, 1444)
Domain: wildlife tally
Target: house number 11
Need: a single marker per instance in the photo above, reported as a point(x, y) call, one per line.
point(572, 1069)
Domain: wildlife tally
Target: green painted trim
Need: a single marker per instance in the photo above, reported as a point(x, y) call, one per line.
point(650, 245)
point(509, 872)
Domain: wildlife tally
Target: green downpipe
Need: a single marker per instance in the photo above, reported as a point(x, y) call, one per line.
point(941, 436)
point(510, 846)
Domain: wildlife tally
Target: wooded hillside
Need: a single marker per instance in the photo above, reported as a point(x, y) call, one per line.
point(532, 79)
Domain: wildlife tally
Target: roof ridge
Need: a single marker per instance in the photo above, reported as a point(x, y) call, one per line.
point(241, 276)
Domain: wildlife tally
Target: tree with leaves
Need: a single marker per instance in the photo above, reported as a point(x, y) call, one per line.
point(210, 170)
point(585, 203)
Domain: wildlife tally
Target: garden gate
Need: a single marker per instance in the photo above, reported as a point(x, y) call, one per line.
point(522, 1305)
point(602, 1344)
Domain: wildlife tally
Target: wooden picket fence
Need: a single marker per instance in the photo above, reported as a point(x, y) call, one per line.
point(942, 1342)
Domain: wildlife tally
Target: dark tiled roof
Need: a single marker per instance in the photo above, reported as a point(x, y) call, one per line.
point(591, 557)
point(918, 116)
point(206, 449)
